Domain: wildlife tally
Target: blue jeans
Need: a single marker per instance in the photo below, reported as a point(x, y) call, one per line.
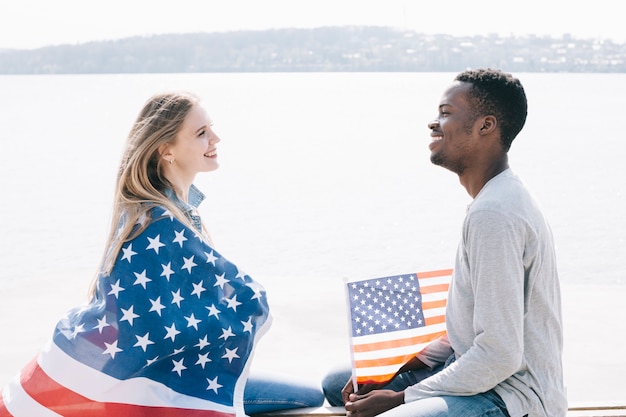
point(266, 392)
point(485, 404)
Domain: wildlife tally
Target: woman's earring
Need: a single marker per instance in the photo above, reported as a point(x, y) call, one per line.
point(171, 160)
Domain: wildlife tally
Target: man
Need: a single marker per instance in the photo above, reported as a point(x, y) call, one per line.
point(502, 352)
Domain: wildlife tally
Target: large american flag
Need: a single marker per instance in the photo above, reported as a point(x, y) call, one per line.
point(169, 332)
point(392, 319)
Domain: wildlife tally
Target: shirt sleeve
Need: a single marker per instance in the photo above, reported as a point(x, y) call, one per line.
point(436, 352)
point(486, 326)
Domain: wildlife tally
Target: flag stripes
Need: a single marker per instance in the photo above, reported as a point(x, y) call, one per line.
point(403, 314)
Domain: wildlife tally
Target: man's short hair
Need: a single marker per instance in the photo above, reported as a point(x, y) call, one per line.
point(499, 94)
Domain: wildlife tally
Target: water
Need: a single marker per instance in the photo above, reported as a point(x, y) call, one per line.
point(323, 175)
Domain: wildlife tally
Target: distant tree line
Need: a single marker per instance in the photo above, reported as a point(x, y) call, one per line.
point(378, 49)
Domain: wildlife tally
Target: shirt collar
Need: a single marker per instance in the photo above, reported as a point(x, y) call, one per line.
point(195, 198)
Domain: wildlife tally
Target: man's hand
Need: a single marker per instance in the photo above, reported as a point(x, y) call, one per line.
point(373, 403)
point(363, 389)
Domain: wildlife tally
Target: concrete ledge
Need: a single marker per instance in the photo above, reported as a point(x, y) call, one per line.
point(575, 410)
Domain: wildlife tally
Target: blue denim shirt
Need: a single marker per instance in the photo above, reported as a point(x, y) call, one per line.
point(190, 209)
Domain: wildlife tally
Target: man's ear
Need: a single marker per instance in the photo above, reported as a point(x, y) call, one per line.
point(489, 124)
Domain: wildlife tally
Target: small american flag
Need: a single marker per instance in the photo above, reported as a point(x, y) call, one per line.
point(169, 332)
point(394, 318)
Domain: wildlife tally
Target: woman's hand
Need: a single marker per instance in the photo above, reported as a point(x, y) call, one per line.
point(373, 402)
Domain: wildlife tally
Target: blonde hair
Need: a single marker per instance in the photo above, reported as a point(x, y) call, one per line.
point(141, 184)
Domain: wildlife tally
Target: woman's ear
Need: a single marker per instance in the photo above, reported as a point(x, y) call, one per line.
point(164, 151)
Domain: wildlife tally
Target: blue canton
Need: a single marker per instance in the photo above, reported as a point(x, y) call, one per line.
point(386, 304)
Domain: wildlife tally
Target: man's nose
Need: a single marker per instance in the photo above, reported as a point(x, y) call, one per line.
point(433, 124)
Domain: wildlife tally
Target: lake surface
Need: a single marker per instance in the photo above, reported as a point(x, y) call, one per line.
point(323, 175)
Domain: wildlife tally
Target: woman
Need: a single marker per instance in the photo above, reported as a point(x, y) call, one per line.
point(171, 325)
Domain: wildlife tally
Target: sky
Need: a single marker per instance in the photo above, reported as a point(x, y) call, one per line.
point(28, 24)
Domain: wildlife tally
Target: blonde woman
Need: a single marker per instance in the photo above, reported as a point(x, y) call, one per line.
point(171, 325)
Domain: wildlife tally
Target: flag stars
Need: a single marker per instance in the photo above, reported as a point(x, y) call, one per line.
point(102, 323)
point(247, 325)
point(178, 366)
point(155, 243)
point(213, 311)
point(188, 263)
point(168, 213)
point(210, 258)
point(180, 237)
point(230, 354)
point(198, 289)
point(213, 385)
point(78, 329)
point(232, 303)
point(202, 343)
point(157, 306)
point(116, 289)
point(220, 280)
point(257, 289)
point(383, 305)
point(141, 279)
point(241, 275)
point(203, 359)
point(226, 333)
point(111, 349)
point(128, 252)
point(192, 321)
point(177, 298)
point(167, 271)
point(171, 332)
point(129, 315)
point(143, 341)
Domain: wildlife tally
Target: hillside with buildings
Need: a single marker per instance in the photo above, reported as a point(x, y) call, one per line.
point(330, 49)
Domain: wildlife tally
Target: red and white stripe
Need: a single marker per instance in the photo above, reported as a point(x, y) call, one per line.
point(54, 384)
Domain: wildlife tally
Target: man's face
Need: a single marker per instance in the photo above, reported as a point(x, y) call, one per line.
point(452, 132)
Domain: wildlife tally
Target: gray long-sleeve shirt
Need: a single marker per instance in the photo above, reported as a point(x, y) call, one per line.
point(504, 308)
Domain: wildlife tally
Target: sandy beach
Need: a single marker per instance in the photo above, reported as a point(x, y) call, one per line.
point(309, 332)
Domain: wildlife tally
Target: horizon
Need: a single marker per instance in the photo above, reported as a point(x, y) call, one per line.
point(146, 36)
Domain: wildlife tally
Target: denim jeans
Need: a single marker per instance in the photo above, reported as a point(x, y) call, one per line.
point(485, 404)
point(336, 379)
point(266, 392)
